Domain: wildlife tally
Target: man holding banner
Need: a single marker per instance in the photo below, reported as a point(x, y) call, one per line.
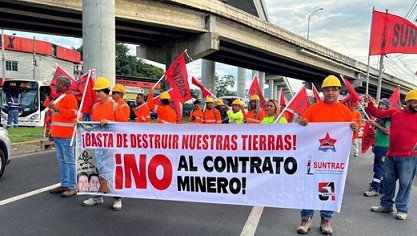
point(210, 114)
point(328, 110)
point(166, 115)
point(255, 114)
point(401, 159)
point(64, 115)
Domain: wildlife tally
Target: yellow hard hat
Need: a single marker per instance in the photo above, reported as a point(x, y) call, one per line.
point(209, 100)
point(219, 102)
point(119, 88)
point(412, 95)
point(165, 95)
point(331, 81)
point(254, 97)
point(101, 83)
point(237, 102)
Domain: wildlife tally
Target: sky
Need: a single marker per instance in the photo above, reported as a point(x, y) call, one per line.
point(342, 25)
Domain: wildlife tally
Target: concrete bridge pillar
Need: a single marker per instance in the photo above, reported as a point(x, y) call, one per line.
point(208, 75)
point(262, 81)
point(241, 82)
point(254, 72)
point(277, 89)
point(271, 89)
point(99, 38)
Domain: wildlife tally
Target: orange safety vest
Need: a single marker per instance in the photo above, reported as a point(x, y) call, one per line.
point(251, 119)
point(211, 117)
point(110, 111)
point(125, 108)
point(166, 115)
point(143, 114)
point(197, 114)
point(63, 122)
point(357, 118)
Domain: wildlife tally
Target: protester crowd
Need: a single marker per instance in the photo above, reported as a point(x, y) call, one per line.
point(395, 148)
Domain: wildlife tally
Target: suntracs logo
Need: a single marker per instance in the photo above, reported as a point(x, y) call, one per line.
point(327, 143)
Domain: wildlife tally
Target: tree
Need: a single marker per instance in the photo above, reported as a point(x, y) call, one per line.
point(130, 65)
point(223, 84)
point(195, 93)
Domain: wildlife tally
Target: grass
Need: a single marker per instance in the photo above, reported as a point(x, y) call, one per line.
point(25, 134)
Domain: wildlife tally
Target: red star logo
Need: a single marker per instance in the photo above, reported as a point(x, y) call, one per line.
point(327, 143)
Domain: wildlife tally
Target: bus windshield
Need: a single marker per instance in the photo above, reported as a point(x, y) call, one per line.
point(27, 93)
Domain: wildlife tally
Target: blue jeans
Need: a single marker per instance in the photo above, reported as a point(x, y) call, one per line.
point(379, 152)
point(66, 160)
point(87, 117)
point(310, 213)
point(12, 118)
point(402, 169)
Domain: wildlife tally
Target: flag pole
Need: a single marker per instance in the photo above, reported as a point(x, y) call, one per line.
point(286, 107)
point(81, 106)
point(158, 81)
point(369, 53)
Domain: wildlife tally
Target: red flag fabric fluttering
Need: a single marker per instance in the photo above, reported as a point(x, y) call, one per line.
point(177, 77)
point(89, 95)
point(281, 98)
point(173, 103)
point(368, 137)
point(205, 92)
point(392, 34)
point(255, 89)
point(352, 91)
point(299, 103)
point(349, 102)
point(395, 99)
point(316, 93)
point(59, 72)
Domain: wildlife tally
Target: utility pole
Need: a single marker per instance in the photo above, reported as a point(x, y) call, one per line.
point(34, 58)
point(3, 66)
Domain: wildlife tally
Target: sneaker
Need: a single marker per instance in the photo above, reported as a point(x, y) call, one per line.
point(381, 209)
point(57, 190)
point(325, 227)
point(371, 193)
point(117, 205)
point(305, 225)
point(69, 193)
point(93, 201)
point(401, 215)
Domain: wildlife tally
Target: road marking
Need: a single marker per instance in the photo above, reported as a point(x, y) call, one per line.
point(29, 194)
point(252, 223)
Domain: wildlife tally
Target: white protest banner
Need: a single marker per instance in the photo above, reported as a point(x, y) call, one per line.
point(275, 165)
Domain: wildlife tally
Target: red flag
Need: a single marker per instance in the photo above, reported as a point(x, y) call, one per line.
point(203, 89)
point(177, 77)
point(395, 99)
point(173, 103)
point(89, 94)
point(368, 137)
point(316, 93)
point(59, 72)
point(255, 89)
point(392, 34)
point(352, 91)
point(299, 103)
point(281, 98)
point(48, 120)
point(349, 102)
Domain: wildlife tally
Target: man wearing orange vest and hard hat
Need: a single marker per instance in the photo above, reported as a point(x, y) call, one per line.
point(63, 123)
point(117, 94)
point(235, 115)
point(255, 114)
point(166, 115)
point(105, 111)
point(328, 110)
point(142, 112)
point(210, 114)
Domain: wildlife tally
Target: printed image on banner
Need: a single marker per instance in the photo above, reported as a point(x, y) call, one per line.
point(274, 165)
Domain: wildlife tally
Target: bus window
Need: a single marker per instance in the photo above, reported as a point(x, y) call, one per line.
point(29, 101)
point(44, 90)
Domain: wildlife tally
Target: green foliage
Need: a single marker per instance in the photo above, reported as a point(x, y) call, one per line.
point(24, 134)
point(223, 84)
point(130, 65)
point(195, 93)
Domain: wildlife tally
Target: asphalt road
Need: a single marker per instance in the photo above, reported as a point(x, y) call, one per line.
point(47, 214)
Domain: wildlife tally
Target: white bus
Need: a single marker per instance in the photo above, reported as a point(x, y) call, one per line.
point(31, 95)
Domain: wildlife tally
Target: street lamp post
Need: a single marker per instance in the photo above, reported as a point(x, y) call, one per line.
point(308, 24)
